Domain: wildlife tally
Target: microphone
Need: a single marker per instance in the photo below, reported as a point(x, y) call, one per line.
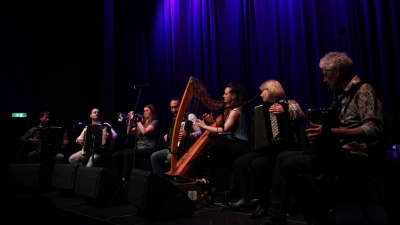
point(255, 98)
point(342, 31)
point(141, 86)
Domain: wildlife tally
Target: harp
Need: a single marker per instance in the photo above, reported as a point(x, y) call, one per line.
point(194, 90)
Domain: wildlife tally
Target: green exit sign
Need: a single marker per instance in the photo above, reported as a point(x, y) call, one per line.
point(18, 114)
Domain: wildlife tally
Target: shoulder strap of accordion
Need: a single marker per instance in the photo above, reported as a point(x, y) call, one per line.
point(194, 89)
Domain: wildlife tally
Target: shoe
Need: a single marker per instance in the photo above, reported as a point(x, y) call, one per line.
point(207, 190)
point(259, 212)
point(241, 204)
point(273, 221)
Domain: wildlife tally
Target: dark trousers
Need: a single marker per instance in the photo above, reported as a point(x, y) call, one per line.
point(292, 171)
point(122, 161)
point(252, 175)
point(221, 154)
point(252, 172)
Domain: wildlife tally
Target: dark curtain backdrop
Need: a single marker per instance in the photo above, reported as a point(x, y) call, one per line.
point(71, 56)
point(51, 58)
point(163, 43)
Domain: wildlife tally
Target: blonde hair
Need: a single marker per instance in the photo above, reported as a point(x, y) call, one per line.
point(275, 90)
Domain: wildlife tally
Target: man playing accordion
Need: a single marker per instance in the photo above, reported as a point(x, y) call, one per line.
point(360, 133)
point(96, 141)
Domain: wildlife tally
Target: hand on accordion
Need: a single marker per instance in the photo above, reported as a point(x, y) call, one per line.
point(34, 140)
point(182, 134)
point(79, 141)
point(276, 108)
point(106, 135)
point(313, 132)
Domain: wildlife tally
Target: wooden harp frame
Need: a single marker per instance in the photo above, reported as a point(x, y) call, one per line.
point(194, 89)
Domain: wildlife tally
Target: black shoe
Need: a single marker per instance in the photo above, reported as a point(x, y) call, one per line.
point(273, 221)
point(259, 212)
point(241, 204)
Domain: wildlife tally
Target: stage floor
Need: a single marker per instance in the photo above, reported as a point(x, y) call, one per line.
point(28, 205)
point(56, 208)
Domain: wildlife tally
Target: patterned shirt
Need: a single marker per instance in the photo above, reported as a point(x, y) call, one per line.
point(297, 117)
point(365, 111)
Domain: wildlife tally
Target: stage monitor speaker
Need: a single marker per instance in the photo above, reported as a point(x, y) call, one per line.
point(64, 177)
point(157, 198)
point(35, 175)
point(100, 186)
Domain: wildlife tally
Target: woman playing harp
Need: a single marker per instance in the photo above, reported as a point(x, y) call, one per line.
point(223, 150)
point(196, 96)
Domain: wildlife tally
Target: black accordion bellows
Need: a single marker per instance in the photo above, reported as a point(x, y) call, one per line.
point(94, 138)
point(327, 145)
point(262, 130)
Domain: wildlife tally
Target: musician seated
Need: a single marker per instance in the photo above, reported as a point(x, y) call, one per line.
point(223, 151)
point(187, 135)
point(39, 147)
point(94, 150)
point(145, 129)
point(252, 173)
point(359, 134)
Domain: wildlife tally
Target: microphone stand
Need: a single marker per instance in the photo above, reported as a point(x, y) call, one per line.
point(137, 130)
point(339, 37)
point(93, 141)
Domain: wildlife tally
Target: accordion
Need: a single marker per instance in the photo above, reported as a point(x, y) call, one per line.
point(94, 141)
point(186, 142)
point(327, 145)
point(328, 118)
point(263, 127)
point(51, 139)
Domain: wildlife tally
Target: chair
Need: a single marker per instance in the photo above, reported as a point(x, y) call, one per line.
point(144, 162)
point(333, 188)
point(334, 180)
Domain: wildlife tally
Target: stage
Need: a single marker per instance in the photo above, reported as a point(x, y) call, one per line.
point(114, 204)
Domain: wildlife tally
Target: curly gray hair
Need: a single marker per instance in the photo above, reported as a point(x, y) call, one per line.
point(339, 61)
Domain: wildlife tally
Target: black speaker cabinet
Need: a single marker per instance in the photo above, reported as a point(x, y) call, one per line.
point(157, 198)
point(64, 177)
point(35, 175)
point(100, 186)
